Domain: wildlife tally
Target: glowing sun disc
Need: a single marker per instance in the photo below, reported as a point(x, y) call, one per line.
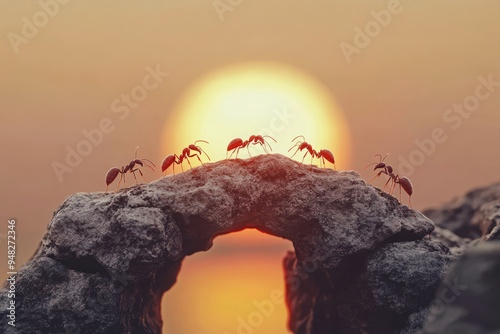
point(257, 98)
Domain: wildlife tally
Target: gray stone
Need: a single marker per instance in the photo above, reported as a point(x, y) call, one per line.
point(473, 215)
point(105, 262)
point(468, 299)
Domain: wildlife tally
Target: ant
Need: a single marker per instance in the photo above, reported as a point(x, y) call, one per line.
point(236, 144)
point(185, 155)
point(386, 169)
point(403, 182)
point(322, 155)
point(113, 172)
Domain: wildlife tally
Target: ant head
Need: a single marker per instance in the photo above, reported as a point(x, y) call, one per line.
point(195, 148)
point(137, 161)
point(379, 165)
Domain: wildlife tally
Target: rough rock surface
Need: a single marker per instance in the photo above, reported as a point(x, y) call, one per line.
point(456, 244)
point(473, 215)
point(386, 292)
point(105, 262)
point(468, 300)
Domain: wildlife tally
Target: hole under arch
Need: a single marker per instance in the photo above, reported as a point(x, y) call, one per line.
point(235, 287)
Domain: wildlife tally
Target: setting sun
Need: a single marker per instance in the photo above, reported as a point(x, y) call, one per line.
point(241, 100)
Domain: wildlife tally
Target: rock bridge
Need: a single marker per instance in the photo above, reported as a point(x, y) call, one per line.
point(105, 262)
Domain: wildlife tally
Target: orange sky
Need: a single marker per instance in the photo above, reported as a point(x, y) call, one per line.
point(395, 90)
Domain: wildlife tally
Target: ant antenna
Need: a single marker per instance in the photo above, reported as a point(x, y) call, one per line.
point(136, 152)
point(206, 153)
point(203, 141)
point(296, 144)
point(271, 138)
point(268, 143)
point(304, 139)
point(380, 160)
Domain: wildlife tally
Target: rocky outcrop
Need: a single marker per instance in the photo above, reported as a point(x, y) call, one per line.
point(456, 244)
point(468, 300)
point(473, 215)
point(364, 260)
point(386, 292)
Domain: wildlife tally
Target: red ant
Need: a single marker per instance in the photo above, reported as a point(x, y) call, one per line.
point(322, 155)
point(186, 154)
point(113, 172)
point(236, 144)
point(386, 169)
point(403, 182)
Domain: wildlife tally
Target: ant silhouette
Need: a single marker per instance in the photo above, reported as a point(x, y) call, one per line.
point(386, 169)
point(113, 172)
point(322, 155)
point(236, 144)
point(403, 182)
point(185, 155)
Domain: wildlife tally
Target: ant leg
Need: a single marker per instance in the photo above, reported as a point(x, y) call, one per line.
point(248, 149)
point(121, 175)
point(270, 144)
point(265, 149)
point(196, 155)
point(142, 175)
point(199, 159)
point(138, 170)
point(391, 190)
point(304, 157)
point(133, 173)
point(394, 188)
point(187, 159)
point(298, 148)
point(400, 193)
point(411, 207)
point(390, 178)
point(375, 177)
point(324, 164)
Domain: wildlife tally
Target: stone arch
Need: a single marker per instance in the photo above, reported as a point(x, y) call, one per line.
point(122, 251)
point(235, 287)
